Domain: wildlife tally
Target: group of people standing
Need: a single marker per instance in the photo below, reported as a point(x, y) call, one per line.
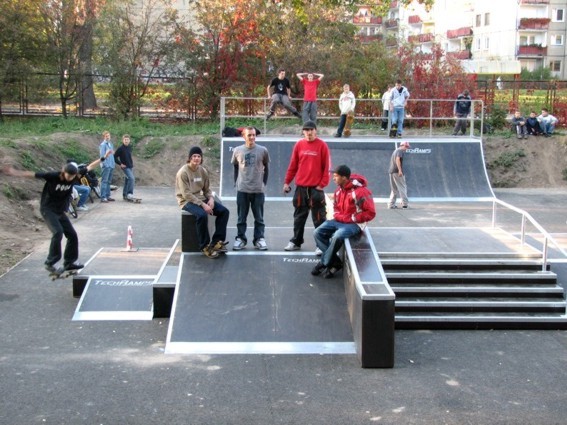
point(308, 167)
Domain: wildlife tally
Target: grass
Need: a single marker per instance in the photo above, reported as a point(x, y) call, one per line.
point(508, 159)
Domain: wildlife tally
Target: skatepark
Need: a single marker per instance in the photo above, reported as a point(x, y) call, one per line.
point(231, 361)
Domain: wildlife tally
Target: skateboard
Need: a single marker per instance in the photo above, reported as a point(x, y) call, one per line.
point(133, 200)
point(348, 124)
point(393, 130)
point(61, 273)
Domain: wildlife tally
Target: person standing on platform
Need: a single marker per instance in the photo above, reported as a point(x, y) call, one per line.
point(397, 177)
point(123, 157)
point(398, 103)
point(309, 165)
point(107, 167)
point(462, 110)
point(386, 107)
point(250, 162)
point(280, 94)
point(353, 208)
point(54, 204)
point(310, 85)
point(347, 102)
point(194, 195)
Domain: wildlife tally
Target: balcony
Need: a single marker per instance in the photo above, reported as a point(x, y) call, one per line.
point(414, 19)
point(421, 38)
point(534, 2)
point(363, 38)
point(534, 23)
point(460, 54)
point(375, 20)
point(534, 50)
point(461, 32)
point(391, 23)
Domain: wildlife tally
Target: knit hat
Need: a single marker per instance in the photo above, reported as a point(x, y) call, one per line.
point(342, 170)
point(71, 168)
point(405, 143)
point(195, 150)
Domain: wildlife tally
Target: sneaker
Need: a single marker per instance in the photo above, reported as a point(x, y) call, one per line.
point(219, 246)
point(330, 272)
point(269, 115)
point(73, 266)
point(519, 136)
point(261, 244)
point(83, 208)
point(399, 136)
point(318, 269)
point(337, 135)
point(111, 199)
point(405, 207)
point(291, 247)
point(297, 114)
point(238, 244)
point(210, 252)
point(525, 136)
point(104, 200)
point(392, 207)
point(50, 268)
point(318, 252)
point(130, 196)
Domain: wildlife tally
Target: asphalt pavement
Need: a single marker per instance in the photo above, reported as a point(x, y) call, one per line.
point(57, 371)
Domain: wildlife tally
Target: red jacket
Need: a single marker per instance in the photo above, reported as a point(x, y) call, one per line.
point(309, 164)
point(353, 201)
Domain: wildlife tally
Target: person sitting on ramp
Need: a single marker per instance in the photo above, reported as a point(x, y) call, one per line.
point(353, 208)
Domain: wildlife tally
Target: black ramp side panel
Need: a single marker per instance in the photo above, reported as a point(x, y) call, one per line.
point(435, 169)
point(258, 298)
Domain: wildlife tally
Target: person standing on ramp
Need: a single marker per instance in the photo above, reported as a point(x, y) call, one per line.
point(397, 177)
point(309, 165)
point(250, 177)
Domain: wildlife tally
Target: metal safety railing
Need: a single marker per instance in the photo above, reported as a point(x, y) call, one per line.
point(428, 114)
point(525, 218)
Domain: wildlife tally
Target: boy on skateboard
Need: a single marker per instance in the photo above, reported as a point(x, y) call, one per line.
point(347, 102)
point(55, 199)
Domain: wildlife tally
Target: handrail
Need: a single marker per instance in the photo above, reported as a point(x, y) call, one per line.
point(527, 216)
point(477, 114)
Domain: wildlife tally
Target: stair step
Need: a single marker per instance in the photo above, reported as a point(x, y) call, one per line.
point(481, 304)
point(493, 290)
point(460, 255)
point(478, 320)
point(462, 263)
point(448, 276)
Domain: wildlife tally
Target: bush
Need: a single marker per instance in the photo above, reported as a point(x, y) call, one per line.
point(508, 159)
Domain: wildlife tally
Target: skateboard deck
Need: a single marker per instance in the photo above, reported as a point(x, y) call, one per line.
point(134, 200)
point(61, 273)
point(393, 131)
point(348, 125)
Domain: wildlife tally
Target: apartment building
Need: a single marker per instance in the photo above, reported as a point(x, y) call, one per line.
point(488, 36)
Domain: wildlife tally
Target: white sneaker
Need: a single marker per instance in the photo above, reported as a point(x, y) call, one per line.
point(318, 252)
point(261, 244)
point(292, 247)
point(83, 208)
point(238, 244)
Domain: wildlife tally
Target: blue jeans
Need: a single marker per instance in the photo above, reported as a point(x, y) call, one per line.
point(83, 192)
point(547, 128)
point(398, 115)
point(245, 201)
point(105, 181)
point(202, 223)
point(330, 236)
point(129, 181)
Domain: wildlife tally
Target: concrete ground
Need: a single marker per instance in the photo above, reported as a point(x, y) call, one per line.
point(57, 371)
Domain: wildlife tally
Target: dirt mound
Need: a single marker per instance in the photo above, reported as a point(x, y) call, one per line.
point(535, 162)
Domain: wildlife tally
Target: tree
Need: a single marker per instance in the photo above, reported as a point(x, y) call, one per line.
point(21, 45)
point(133, 39)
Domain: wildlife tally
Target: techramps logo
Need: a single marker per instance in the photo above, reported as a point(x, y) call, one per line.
point(420, 151)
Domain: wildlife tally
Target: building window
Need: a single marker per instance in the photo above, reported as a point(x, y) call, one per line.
point(558, 15)
point(478, 43)
point(486, 19)
point(557, 40)
point(487, 43)
point(478, 20)
point(555, 66)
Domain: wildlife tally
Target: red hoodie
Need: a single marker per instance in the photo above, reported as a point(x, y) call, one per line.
point(309, 164)
point(353, 201)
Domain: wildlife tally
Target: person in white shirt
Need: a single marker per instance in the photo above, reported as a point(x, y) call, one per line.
point(547, 122)
point(347, 102)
